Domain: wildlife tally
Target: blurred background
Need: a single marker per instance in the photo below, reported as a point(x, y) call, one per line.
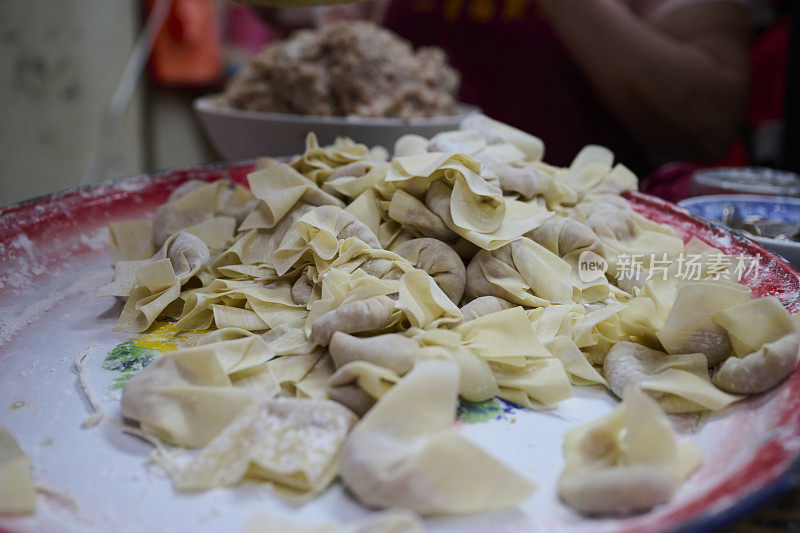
point(82, 102)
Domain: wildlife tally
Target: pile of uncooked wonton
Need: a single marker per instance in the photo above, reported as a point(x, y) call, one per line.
point(351, 299)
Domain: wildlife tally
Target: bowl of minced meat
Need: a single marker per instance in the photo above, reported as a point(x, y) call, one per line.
point(347, 79)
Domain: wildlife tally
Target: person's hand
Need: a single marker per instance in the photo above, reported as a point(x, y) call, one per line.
point(678, 83)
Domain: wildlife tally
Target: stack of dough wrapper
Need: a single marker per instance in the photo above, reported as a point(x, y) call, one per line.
point(345, 284)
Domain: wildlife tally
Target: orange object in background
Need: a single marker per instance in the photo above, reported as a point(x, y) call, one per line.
point(187, 51)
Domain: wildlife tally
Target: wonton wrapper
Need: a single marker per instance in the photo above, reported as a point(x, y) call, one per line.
point(528, 181)
point(591, 174)
point(543, 381)
point(405, 452)
point(131, 240)
point(340, 287)
point(302, 290)
point(679, 382)
point(319, 163)
point(271, 304)
point(350, 182)
point(626, 461)
point(17, 493)
point(457, 142)
point(358, 316)
point(474, 144)
point(554, 320)
point(752, 324)
point(291, 370)
point(505, 337)
point(279, 189)
point(366, 209)
point(187, 397)
point(254, 446)
point(424, 303)
point(354, 254)
point(519, 218)
point(580, 370)
point(762, 369)
point(318, 233)
point(413, 215)
point(375, 363)
point(315, 383)
point(257, 246)
point(392, 350)
point(494, 132)
point(596, 329)
point(216, 232)
point(410, 145)
point(520, 369)
point(186, 254)
point(641, 319)
point(484, 305)
point(691, 328)
point(475, 204)
point(359, 384)
point(198, 202)
point(499, 154)
point(223, 334)
point(522, 272)
point(624, 232)
point(156, 283)
point(440, 261)
point(477, 381)
point(765, 338)
point(566, 238)
point(235, 317)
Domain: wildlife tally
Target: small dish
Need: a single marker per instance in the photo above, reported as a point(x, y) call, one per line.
point(783, 208)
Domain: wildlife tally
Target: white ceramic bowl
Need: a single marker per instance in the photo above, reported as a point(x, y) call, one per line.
point(238, 134)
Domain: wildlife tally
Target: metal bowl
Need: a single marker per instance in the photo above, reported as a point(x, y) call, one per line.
point(781, 208)
point(747, 180)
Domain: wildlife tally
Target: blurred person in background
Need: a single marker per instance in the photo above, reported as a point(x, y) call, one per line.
point(654, 80)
